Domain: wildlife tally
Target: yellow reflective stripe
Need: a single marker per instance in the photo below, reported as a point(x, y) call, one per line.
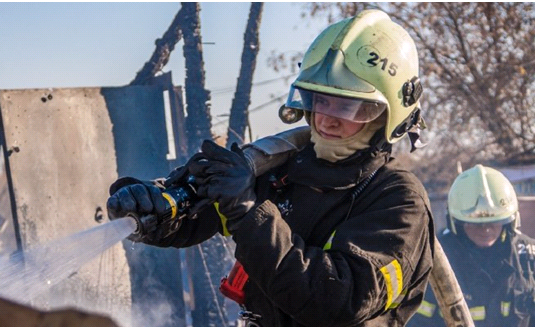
point(426, 309)
point(506, 306)
point(328, 243)
point(172, 203)
point(398, 300)
point(478, 313)
point(223, 219)
point(394, 281)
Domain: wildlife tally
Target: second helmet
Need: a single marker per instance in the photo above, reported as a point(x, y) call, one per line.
point(482, 195)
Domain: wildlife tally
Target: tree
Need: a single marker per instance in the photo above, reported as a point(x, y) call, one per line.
point(161, 55)
point(206, 260)
point(156, 278)
point(477, 63)
point(238, 119)
point(209, 261)
point(198, 121)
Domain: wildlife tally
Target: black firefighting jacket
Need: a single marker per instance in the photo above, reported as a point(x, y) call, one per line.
point(498, 283)
point(319, 252)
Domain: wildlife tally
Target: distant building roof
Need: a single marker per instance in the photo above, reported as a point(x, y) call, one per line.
point(519, 173)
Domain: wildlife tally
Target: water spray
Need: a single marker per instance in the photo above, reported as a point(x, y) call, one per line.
point(27, 274)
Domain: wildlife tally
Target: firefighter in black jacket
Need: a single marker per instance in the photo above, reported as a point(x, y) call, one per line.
point(340, 234)
point(493, 261)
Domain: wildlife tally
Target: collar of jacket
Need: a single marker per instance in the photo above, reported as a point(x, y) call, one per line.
point(495, 263)
point(306, 169)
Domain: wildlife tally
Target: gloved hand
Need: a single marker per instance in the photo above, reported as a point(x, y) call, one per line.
point(131, 195)
point(180, 175)
point(225, 177)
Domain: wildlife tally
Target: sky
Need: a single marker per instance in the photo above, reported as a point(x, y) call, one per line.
point(66, 44)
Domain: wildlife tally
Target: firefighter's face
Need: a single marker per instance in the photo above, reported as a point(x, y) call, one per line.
point(331, 127)
point(483, 235)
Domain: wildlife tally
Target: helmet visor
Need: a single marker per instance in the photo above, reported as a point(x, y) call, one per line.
point(484, 220)
point(346, 108)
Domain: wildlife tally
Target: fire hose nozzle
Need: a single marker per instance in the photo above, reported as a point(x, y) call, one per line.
point(137, 221)
point(178, 201)
point(145, 225)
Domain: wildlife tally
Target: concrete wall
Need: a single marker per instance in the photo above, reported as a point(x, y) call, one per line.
point(64, 163)
point(66, 147)
point(140, 138)
point(8, 239)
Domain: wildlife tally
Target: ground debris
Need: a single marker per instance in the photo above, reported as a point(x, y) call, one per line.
point(17, 315)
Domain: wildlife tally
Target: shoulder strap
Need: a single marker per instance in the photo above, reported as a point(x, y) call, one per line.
point(355, 192)
point(358, 189)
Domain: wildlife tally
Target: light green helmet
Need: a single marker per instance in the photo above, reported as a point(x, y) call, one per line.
point(482, 195)
point(366, 57)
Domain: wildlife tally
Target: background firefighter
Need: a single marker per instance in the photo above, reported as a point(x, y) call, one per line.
point(340, 234)
point(493, 261)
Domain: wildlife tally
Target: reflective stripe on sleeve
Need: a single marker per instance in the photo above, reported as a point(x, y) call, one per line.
point(478, 313)
point(223, 219)
point(394, 281)
point(506, 306)
point(426, 309)
point(398, 300)
point(328, 243)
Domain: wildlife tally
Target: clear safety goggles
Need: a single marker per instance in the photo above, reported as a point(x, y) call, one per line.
point(351, 109)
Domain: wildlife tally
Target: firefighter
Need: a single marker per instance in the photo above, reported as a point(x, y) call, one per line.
point(493, 261)
point(340, 234)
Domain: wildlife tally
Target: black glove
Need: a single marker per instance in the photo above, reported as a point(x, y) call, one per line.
point(225, 177)
point(180, 175)
point(131, 195)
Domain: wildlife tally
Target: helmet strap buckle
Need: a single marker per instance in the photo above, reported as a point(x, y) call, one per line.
point(412, 125)
point(412, 91)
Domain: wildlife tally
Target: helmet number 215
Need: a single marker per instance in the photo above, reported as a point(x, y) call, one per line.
point(375, 60)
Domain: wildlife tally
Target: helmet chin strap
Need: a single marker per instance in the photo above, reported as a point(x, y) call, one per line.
point(379, 143)
point(414, 135)
point(412, 125)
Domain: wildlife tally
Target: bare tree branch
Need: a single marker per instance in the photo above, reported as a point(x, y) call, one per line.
point(238, 119)
point(161, 55)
